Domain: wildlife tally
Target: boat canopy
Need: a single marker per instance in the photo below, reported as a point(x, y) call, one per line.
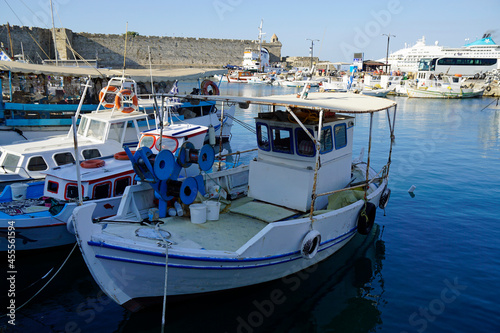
point(337, 102)
point(142, 75)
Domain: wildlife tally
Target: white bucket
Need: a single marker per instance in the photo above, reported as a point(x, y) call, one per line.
point(213, 208)
point(18, 191)
point(198, 213)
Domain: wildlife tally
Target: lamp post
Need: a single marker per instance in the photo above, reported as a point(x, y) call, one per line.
point(312, 50)
point(387, 54)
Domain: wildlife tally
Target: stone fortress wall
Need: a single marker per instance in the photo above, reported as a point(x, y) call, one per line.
point(166, 52)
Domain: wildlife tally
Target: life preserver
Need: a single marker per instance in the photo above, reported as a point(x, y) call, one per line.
point(384, 198)
point(122, 155)
point(310, 244)
point(204, 88)
point(102, 93)
point(133, 101)
point(366, 218)
point(488, 88)
point(91, 164)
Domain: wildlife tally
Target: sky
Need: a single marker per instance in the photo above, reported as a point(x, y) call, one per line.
point(340, 28)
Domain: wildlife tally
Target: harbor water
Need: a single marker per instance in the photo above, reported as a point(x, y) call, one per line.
point(431, 265)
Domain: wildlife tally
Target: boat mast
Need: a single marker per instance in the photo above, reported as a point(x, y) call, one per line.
point(53, 32)
point(10, 40)
point(261, 69)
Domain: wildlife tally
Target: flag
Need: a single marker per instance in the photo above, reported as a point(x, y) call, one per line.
point(173, 100)
point(4, 56)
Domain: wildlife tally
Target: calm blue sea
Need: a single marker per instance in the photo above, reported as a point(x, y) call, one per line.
point(432, 265)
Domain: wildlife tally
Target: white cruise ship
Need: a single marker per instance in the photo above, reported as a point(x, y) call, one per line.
point(407, 59)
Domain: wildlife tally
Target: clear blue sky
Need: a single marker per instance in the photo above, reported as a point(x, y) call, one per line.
point(343, 27)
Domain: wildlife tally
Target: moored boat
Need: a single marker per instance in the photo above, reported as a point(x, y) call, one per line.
point(40, 210)
point(297, 212)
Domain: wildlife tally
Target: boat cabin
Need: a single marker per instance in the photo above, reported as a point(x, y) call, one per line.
point(100, 133)
point(106, 179)
point(283, 173)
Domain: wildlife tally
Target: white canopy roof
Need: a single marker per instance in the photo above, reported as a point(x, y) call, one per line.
point(334, 101)
point(136, 74)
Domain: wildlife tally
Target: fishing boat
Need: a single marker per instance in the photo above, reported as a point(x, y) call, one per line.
point(300, 199)
point(100, 133)
point(429, 85)
point(116, 122)
point(40, 210)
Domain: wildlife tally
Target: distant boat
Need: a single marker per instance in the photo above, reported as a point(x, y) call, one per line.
point(281, 214)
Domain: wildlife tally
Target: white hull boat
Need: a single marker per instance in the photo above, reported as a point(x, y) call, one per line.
point(278, 228)
point(39, 211)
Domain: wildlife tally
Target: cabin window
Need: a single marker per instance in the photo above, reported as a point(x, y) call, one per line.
point(305, 146)
point(166, 143)
point(120, 185)
point(72, 191)
point(340, 136)
point(63, 158)
point(10, 162)
point(96, 129)
point(37, 163)
point(102, 190)
point(147, 141)
point(326, 140)
point(116, 131)
point(282, 140)
point(263, 137)
point(52, 187)
point(81, 127)
point(91, 153)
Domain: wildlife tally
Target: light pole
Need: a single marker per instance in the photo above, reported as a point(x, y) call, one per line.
point(312, 50)
point(387, 54)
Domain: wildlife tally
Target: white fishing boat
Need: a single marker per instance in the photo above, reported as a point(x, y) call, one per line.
point(429, 85)
point(40, 210)
point(306, 199)
point(100, 133)
point(116, 122)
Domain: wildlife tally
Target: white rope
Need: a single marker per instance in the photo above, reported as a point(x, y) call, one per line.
point(157, 227)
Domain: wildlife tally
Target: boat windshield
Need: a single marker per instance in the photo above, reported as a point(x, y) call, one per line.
point(427, 64)
point(10, 162)
point(96, 129)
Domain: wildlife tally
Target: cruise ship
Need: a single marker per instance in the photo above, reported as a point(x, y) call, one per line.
point(407, 59)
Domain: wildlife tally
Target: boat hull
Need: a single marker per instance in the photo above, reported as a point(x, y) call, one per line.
point(41, 230)
point(427, 93)
point(119, 265)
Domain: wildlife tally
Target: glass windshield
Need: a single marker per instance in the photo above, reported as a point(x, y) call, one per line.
point(81, 127)
point(10, 162)
point(424, 64)
point(116, 131)
point(96, 129)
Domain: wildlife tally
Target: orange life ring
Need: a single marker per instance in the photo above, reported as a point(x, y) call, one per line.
point(133, 101)
point(122, 155)
point(102, 93)
point(204, 88)
point(91, 164)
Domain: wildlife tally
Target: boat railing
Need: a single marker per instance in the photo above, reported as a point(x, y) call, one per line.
point(380, 176)
point(236, 162)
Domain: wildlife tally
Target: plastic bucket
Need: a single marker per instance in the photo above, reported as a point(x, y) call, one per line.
point(198, 213)
point(18, 191)
point(213, 208)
